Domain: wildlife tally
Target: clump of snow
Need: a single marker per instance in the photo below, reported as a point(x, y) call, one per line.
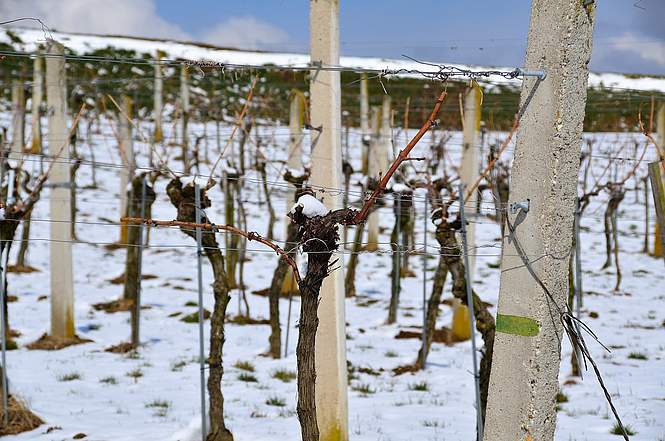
point(311, 206)
point(198, 91)
point(400, 188)
point(296, 173)
point(191, 432)
point(229, 169)
point(190, 180)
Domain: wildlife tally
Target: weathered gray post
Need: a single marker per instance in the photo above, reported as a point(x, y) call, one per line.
point(470, 158)
point(325, 93)
point(185, 108)
point(37, 97)
point(158, 135)
point(296, 122)
point(657, 176)
point(136, 326)
point(127, 158)
point(659, 232)
point(376, 164)
point(364, 123)
point(525, 365)
point(18, 116)
point(62, 285)
point(660, 125)
point(294, 162)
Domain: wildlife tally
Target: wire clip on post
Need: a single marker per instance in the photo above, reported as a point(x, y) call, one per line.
point(540, 74)
point(515, 207)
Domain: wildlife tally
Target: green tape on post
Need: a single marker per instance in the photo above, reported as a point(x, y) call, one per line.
point(516, 325)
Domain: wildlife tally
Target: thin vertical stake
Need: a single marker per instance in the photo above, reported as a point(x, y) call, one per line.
point(136, 339)
point(288, 326)
point(199, 252)
point(578, 260)
point(472, 316)
point(424, 333)
point(3, 319)
point(397, 268)
point(578, 282)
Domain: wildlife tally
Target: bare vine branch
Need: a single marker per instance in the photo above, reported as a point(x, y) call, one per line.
point(27, 204)
point(645, 132)
point(403, 156)
point(248, 100)
point(490, 165)
point(249, 235)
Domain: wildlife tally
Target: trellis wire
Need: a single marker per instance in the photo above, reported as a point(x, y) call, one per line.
point(440, 72)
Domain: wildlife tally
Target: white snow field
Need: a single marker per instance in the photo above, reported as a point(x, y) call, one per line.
point(108, 400)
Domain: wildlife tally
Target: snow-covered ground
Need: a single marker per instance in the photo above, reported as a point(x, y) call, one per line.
point(108, 400)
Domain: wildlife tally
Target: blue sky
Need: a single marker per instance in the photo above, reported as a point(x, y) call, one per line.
point(479, 31)
point(629, 34)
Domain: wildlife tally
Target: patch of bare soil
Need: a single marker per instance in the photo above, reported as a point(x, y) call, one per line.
point(21, 419)
point(114, 246)
point(119, 305)
point(194, 316)
point(443, 335)
point(121, 348)
point(120, 280)
point(21, 269)
point(49, 343)
point(244, 320)
point(266, 292)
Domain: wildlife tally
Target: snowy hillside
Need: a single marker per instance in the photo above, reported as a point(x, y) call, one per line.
point(82, 43)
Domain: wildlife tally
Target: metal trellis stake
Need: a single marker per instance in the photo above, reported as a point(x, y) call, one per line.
point(578, 260)
point(396, 255)
point(199, 255)
point(424, 333)
point(578, 282)
point(288, 326)
point(3, 301)
point(136, 339)
point(472, 316)
point(3, 319)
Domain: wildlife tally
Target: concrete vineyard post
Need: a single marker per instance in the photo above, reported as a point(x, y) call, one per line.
point(37, 98)
point(62, 286)
point(525, 365)
point(469, 167)
point(326, 159)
